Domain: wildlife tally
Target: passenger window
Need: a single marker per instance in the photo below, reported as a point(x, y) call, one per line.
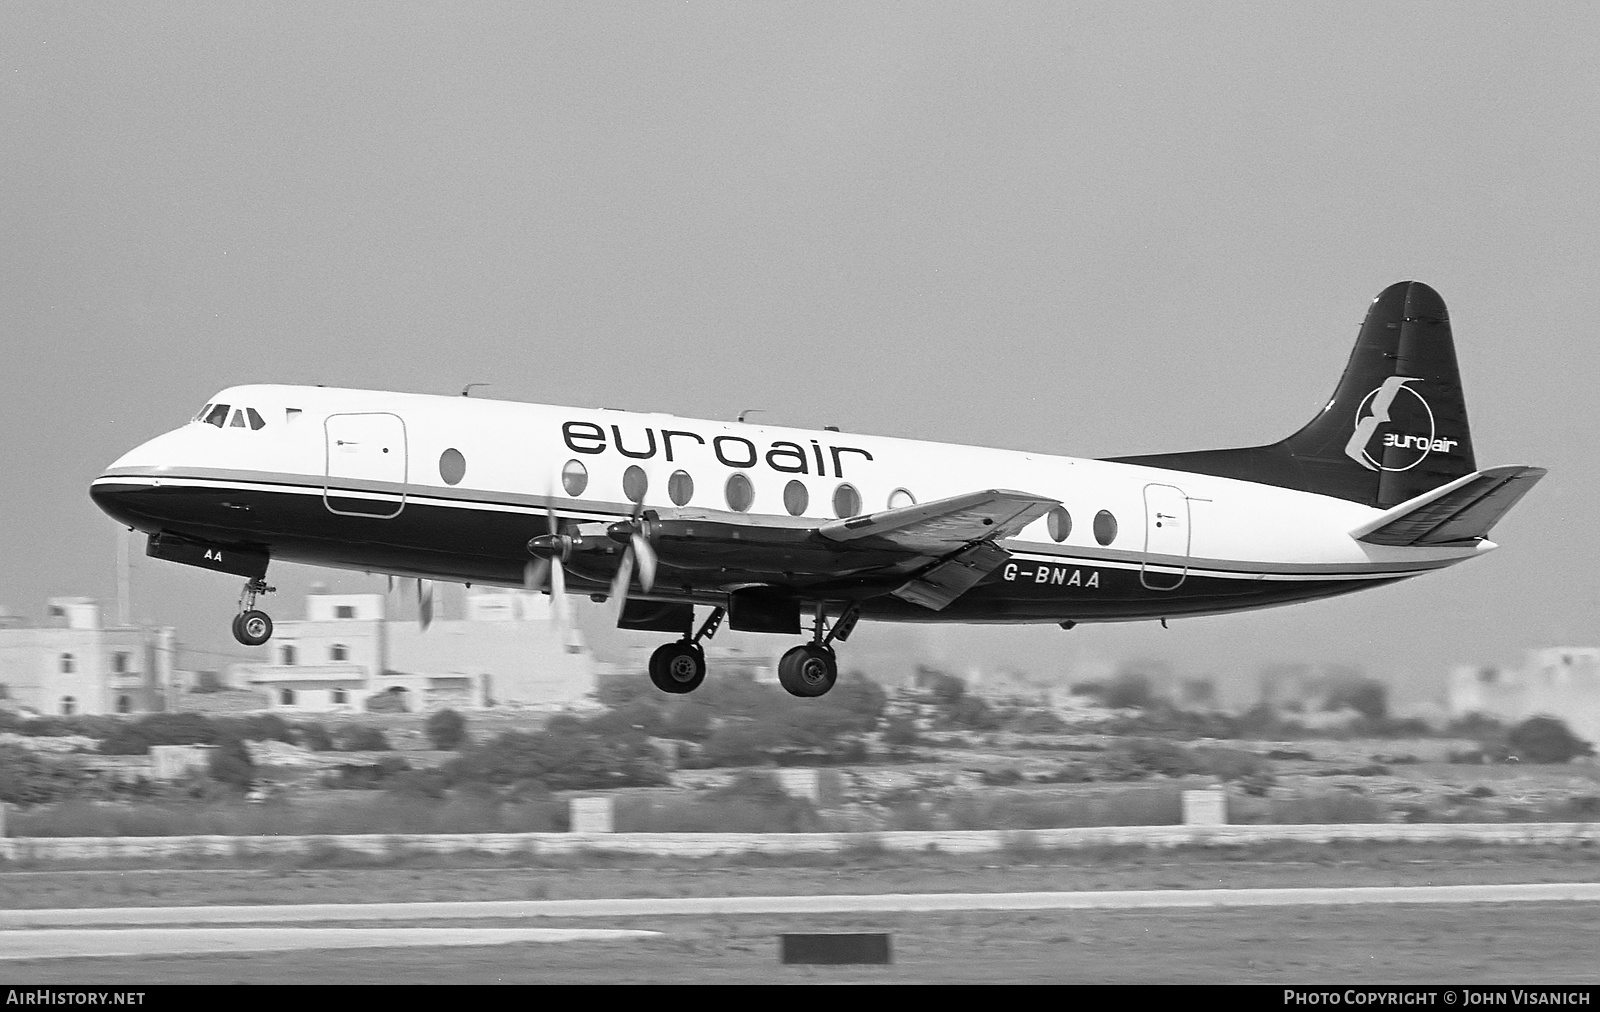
point(741, 494)
point(574, 478)
point(452, 466)
point(1105, 527)
point(238, 419)
point(1059, 523)
point(218, 415)
point(256, 421)
point(900, 497)
point(635, 483)
point(846, 501)
point(680, 488)
point(796, 498)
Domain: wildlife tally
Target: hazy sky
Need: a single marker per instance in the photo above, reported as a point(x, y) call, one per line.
point(1091, 229)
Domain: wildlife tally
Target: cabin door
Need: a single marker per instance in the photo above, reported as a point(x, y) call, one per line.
point(366, 473)
point(1166, 537)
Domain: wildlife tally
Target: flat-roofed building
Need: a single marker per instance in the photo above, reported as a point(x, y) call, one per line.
point(504, 649)
point(71, 663)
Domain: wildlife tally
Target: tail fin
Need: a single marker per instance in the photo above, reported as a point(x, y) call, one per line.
point(1395, 428)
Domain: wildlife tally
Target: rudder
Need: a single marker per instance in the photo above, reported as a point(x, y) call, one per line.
point(1396, 426)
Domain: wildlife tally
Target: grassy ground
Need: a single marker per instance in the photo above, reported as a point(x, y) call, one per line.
point(470, 877)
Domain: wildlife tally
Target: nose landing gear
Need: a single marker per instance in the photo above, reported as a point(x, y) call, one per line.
point(252, 627)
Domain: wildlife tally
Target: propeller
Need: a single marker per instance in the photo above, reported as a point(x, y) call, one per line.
point(639, 554)
point(425, 603)
point(548, 551)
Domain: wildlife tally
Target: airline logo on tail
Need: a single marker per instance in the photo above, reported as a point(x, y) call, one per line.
point(1379, 410)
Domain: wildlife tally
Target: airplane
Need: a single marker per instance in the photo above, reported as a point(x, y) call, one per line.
point(777, 528)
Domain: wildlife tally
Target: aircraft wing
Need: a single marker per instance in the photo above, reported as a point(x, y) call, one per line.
point(946, 525)
point(959, 532)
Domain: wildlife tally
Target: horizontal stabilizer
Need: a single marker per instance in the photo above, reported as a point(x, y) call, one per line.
point(936, 528)
point(1463, 510)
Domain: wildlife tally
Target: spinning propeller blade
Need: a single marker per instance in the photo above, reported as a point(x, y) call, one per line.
point(425, 603)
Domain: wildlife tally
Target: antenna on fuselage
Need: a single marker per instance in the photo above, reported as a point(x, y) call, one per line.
point(751, 411)
point(466, 391)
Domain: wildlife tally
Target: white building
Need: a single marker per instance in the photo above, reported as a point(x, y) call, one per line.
point(1561, 682)
point(71, 663)
point(505, 649)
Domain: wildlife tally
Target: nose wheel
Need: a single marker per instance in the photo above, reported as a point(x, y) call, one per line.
point(678, 667)
point(252, 627)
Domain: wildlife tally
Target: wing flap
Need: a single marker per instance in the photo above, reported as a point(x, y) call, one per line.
point(942, 583)
point(1463, 510)
point(944, 525)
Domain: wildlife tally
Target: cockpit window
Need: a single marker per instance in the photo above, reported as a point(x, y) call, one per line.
point(256, 421)
point(238, 419)
point(201, 414)
point(218, 415)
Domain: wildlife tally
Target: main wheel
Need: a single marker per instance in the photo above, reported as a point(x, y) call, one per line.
point(808, 670)
point(252, 628)
point(678, 667)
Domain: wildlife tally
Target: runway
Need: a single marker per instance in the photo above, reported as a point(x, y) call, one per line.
point(848, 903)
point(63, 943)
point(158, 931)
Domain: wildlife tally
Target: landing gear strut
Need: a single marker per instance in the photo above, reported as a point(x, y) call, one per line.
point(811, 669)
point(252, 627)
point(681, 666)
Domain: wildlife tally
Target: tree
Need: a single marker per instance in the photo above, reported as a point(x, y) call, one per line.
point(1546, 740)
point(230, 764)
point(1367, 696)
point(447, 729)
point(1129, 690)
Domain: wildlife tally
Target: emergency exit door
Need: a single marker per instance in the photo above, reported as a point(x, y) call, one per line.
point(366, 468)
point(1166, 534)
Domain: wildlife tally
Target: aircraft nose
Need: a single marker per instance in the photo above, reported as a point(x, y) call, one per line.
point(119, 498)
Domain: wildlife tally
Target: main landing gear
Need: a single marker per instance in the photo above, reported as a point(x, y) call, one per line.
point(252, 627)
point(681, 666)
point(811, 669)
point(807, 671)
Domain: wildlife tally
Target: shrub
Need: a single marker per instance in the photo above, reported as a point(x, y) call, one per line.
point(314, 737)
point(28, 778)
point(356, 738)
point(446, 729)
point(256, 727)
point(1546, 740)
point(420, 783)
point(973, 713)
point(568, 755)
point(900, 731)
point(1128, 691)
point(135, 737)
point(229, 763)
point(1328, 807)
point(1038, 722)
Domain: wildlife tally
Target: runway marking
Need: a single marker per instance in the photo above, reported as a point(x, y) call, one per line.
point(1545, 892)
point(61, 943)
